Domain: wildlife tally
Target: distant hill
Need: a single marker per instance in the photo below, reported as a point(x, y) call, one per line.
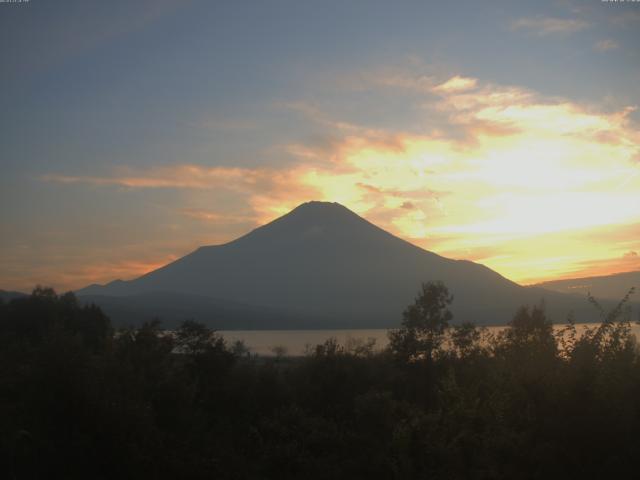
point(320, 264)
point(172, 308)
point(606, 286)
point(7, 296)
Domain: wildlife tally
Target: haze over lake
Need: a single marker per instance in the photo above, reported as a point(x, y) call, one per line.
point(298, 342)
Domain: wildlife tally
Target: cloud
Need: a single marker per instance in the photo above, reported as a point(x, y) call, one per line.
point(509, 109)
point(174, 176)
point(416, 78)
point(456, 84)
point(215, 217)
point(419, 83)
point(632, 255)
point(528, 173)
point(267, 189)
point(64, 268)
point(536, 257)
point(629, 18)
point(544, 26)
point(605, 266)
point(605, 45)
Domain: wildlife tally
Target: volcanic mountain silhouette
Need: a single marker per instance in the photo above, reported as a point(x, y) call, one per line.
point(320, 265)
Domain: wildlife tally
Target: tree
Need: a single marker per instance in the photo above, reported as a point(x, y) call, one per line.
point(424, 324)
point(466, 339)
point(194, 338)
point(529, 336)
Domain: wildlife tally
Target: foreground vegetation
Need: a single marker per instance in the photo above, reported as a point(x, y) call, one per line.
point(78, 400)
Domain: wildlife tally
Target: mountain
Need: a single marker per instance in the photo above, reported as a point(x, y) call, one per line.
point(172, 308)
point(606, 286)
point(323, 265)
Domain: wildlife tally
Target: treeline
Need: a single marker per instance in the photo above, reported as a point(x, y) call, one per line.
point(80, 400)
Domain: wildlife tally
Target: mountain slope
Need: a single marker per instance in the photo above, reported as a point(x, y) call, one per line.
point(605, 286)
point(173, 308)
point(321, 260)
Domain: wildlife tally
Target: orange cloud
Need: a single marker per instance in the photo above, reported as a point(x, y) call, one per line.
point(456, 84)
point(174, 176)
point(65, 271)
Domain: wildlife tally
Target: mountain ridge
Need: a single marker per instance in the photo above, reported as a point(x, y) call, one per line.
point(614, 286)
point(324, 261)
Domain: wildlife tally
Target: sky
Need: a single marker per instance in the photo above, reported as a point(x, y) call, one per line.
point(132, 132)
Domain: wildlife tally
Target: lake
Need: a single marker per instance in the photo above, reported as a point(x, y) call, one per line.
point(296, 342)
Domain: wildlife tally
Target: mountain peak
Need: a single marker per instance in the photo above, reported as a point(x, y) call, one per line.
point(315, 219)
point(316, 207)
point(319, 204)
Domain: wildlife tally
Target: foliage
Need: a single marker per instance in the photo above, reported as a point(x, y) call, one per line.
point(423, 324)
point(78, 400)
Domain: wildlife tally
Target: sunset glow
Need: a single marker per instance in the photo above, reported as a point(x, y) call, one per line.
point(526, 177)
point(556, 170)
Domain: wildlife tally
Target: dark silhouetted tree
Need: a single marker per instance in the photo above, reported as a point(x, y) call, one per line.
point(423, 324)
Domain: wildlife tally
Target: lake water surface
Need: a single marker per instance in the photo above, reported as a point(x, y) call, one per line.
point(296, 342)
